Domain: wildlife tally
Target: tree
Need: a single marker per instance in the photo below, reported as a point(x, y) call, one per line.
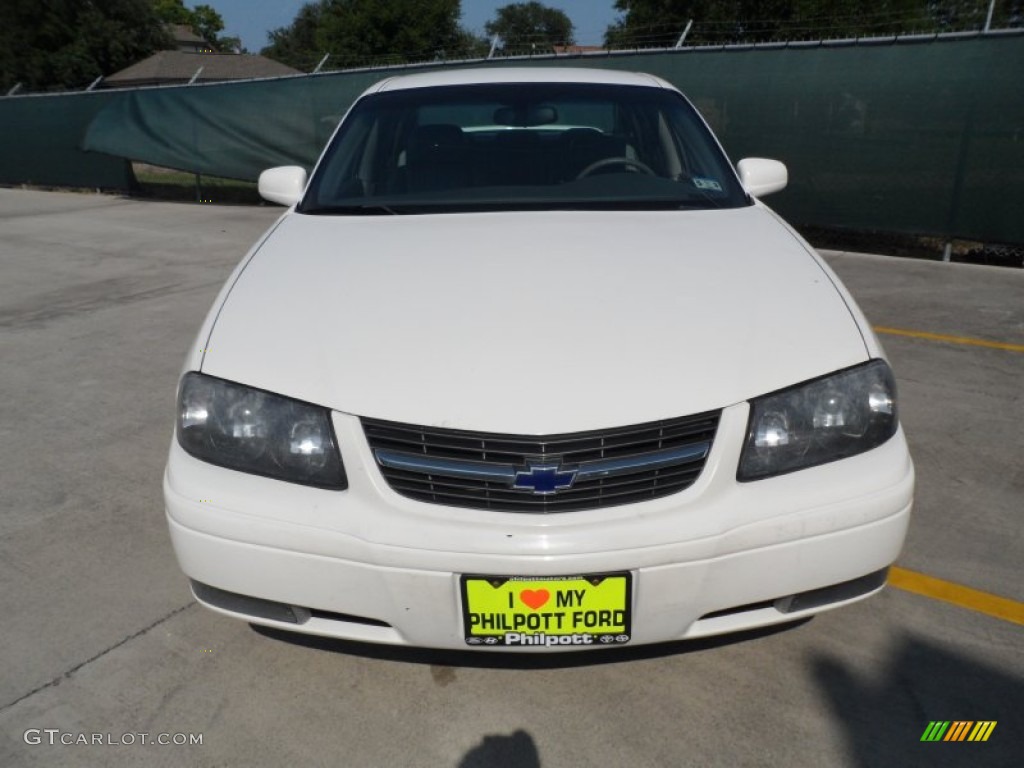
point(658, 23)
point(202, 19)
point(364, 32)
point(652, 23)
point(528, 27)
point(296, 45)
point(67, 44)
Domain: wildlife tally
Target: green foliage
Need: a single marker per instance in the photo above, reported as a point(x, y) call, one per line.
point(296, 45)
point(658, 23)
point(207, 23)
point(364, 32)
point(652, 23)
point(531, 26)
point(203, 20)
point(66, 44)
point(172, 11)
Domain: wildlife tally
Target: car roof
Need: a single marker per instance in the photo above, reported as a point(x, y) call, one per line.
point(494, 75)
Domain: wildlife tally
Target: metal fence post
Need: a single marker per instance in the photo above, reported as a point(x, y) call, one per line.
point(682, 37)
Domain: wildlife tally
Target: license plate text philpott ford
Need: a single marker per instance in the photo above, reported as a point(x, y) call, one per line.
point(530, 611)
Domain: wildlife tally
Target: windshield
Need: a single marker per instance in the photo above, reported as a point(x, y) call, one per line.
point(522, 146)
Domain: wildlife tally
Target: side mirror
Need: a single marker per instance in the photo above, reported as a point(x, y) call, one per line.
point(761, 176)
point(283, 185)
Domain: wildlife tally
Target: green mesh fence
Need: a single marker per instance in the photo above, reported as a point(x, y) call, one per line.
point(913, 136)
point(40, 143)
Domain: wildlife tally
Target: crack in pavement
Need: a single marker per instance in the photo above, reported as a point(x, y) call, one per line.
point(31, 214)
point(68, 673)
point(78, 300)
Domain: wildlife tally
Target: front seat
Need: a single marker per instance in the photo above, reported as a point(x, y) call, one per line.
point(436, 158)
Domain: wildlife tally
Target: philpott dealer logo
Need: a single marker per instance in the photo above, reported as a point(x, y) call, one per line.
point(959, 730)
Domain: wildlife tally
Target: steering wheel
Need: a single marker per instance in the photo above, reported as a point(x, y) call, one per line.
point(626, 161)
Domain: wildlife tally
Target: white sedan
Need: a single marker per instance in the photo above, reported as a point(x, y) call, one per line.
point(526, 365)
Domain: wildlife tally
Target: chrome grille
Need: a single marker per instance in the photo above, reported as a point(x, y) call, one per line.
point(550, 473)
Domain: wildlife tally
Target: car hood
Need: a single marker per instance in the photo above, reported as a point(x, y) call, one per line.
point(532, 322)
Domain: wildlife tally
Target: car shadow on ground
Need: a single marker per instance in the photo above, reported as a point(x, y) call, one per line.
point(883, 719)
point(515, 660)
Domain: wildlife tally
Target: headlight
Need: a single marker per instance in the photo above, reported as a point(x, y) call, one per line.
point(252, 431)
point(823, 420)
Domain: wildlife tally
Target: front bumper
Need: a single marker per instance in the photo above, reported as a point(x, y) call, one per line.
point(366, 564)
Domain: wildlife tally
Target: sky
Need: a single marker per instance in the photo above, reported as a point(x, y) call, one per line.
point(252, 19)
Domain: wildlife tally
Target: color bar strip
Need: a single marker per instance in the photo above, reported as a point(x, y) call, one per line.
point(959, 730)
point(982, 730)
point(935, 730)
point(957, 594)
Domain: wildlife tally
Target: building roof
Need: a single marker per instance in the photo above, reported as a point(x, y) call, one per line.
point(183, 36)
point(169, 67)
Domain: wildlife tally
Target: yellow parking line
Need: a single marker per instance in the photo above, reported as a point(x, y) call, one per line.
point(952, 339)
point(957, 594)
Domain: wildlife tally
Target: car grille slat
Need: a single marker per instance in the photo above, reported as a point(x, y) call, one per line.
point(439, 484)
point(418, 462)
point(572, 448)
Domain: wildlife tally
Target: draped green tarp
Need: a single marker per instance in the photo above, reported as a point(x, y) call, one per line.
point(228, 129)
point(920, 136)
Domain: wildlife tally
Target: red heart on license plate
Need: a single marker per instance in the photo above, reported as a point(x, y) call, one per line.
point(534, 598)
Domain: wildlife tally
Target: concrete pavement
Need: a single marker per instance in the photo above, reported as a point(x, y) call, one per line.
point(100, 298)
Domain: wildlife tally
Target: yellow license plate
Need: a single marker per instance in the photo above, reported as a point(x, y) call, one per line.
point(519, 612)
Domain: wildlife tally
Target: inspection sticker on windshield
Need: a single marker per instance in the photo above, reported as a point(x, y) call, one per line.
point(525, 611)
point(701, 183)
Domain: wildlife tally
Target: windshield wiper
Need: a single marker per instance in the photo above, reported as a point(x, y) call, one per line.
point(353, 210)
point(652, 204)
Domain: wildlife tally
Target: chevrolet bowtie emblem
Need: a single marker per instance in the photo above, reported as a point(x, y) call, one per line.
point(544, 479)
